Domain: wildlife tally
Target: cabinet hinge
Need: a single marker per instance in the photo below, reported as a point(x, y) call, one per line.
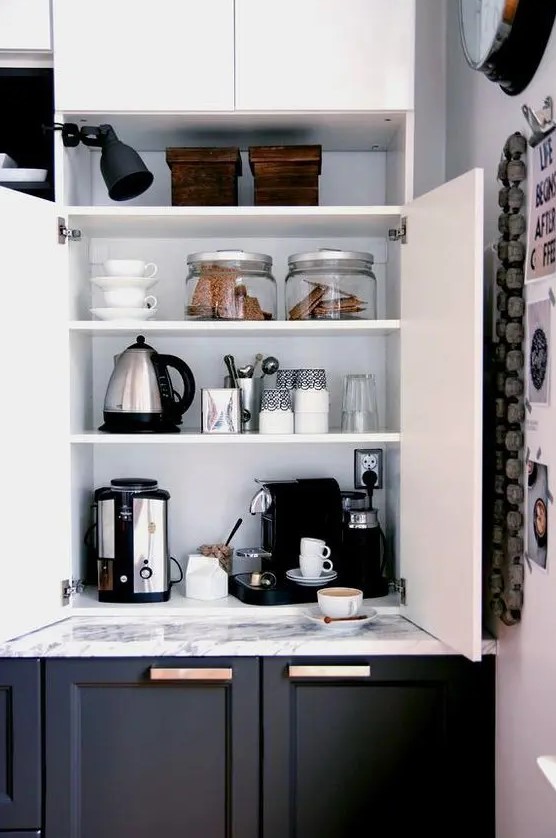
point(399, 234)
point(398, 586)
point(65, 233)
point(71, 587)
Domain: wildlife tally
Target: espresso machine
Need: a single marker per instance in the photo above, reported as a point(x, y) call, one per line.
point(133, 559)
point(291, 510)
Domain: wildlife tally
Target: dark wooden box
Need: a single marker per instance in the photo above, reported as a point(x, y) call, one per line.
point(286, 175)
point(204, 177)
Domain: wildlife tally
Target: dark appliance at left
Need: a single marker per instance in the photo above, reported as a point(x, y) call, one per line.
point(131, 545)
point(27, 95)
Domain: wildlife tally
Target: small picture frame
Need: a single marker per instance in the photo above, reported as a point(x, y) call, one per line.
point(221, 411)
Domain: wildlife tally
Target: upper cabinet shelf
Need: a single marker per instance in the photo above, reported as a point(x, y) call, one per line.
point(242, 55)
point(187, 222)
point(267, 329)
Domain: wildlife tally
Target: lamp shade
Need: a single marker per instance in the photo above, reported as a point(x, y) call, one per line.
point(123, 170)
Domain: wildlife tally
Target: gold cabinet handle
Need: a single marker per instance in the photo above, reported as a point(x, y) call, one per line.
point(190, 674)
point(347, 671)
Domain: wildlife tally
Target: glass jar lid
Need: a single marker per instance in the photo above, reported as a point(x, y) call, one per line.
point(326, 255)
point(215, 256)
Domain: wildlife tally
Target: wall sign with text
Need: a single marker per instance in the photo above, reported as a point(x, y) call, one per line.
point(541, 228)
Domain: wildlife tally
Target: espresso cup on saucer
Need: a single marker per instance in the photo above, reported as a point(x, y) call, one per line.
point(312, 566)
point(314, 547)
point(129, 297)
point(339, 602)
point(130, 267)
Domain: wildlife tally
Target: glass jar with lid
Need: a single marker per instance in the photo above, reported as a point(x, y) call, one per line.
point(331, 284)
point(230, 285)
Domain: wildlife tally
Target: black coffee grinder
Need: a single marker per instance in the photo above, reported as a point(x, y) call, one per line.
point(363, 543)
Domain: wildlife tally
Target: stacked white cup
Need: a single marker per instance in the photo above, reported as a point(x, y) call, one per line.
point(311, 402)
point(124, 288)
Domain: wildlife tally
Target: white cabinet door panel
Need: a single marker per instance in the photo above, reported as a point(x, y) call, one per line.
point(123, 55)
point(325, 55)
point(25, 25)
point(441, 412)
point(34, 432)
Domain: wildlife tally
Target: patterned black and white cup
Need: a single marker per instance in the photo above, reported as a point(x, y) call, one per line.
point(276, 399)
point(286, 379)
point(308, 379)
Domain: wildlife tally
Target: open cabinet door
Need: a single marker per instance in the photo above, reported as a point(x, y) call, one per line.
point(441, 412)
point(34, 555)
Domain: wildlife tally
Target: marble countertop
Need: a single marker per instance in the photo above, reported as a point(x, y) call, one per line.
point(222, 636)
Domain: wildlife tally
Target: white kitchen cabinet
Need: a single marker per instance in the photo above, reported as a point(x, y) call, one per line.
point(432, 321)
point(324, 55)
point(127, 56)
point(25, 25)
point(242, 55)
point(36, 518)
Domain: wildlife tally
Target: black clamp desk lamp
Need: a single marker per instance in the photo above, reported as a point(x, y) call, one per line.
point(123, 170)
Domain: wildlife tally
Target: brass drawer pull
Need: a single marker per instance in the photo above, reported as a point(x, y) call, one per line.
point(190, 674)
point(348, 671)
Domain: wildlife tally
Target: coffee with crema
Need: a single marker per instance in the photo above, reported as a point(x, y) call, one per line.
point(343, 592)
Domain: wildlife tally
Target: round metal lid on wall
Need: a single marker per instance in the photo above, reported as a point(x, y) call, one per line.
point(506, 39)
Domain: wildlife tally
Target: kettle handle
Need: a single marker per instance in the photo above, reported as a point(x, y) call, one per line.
point(175, 409)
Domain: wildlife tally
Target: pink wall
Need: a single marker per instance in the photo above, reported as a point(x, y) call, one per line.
point(479, 119)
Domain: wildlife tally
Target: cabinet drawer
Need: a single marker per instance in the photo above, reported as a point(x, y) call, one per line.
point(152, 747)
point(376, 741)
point(20, 745)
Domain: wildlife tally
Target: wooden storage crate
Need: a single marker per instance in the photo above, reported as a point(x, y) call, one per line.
point(286, 175)
point(204, 177)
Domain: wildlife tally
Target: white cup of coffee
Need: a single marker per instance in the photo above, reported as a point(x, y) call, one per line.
point(339, 602)
point(130, 267)
point(312, 566)
point(314, 547)
point(129, 297)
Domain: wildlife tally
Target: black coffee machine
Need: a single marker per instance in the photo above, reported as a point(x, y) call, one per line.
point(291, 510)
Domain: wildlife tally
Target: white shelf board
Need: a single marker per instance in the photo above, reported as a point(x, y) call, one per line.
point(275, 328)
point(194, 437)
point(220, 222)
point(86, 604)
point(334, 131)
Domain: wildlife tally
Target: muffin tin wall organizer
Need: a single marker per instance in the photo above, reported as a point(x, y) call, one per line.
point(507, 548)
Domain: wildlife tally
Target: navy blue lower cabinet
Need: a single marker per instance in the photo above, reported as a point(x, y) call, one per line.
point(25, 834)
point(142, 748)
point(20, 745)
point(396, 745)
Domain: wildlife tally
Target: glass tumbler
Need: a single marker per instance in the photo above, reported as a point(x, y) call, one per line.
point(359, 408)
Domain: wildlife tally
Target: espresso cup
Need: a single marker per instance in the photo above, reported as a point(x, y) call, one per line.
point(129, 298)
point(314, 547)
point(339, 602)
point(313, 566)
point(130, 267)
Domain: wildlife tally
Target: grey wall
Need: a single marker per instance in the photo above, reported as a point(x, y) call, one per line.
point(479, 119)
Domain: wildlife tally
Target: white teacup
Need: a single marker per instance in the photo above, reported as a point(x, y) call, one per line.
point(313, 566)
point(129, 298)
point(314, 547)
point(339, 602)
point(130, 267)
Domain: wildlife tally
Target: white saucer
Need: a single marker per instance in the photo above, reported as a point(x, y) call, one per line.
point(107, 283)
point(326, 576)
point(347, 625)
point(22, 175)
point(123, 313)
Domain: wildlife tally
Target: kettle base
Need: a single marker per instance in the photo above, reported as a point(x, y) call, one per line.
point(137, 423)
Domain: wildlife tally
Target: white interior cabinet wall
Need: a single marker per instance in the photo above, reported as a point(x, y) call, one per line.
point(324, 55)
point(128, 56)
point(25, 25)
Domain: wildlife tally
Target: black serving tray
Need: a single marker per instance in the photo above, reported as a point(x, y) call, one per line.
point(285, 592)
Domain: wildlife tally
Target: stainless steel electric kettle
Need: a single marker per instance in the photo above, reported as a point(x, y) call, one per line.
point(140, 397)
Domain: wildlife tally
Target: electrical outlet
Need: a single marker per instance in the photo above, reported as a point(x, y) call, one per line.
point(367, 459)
